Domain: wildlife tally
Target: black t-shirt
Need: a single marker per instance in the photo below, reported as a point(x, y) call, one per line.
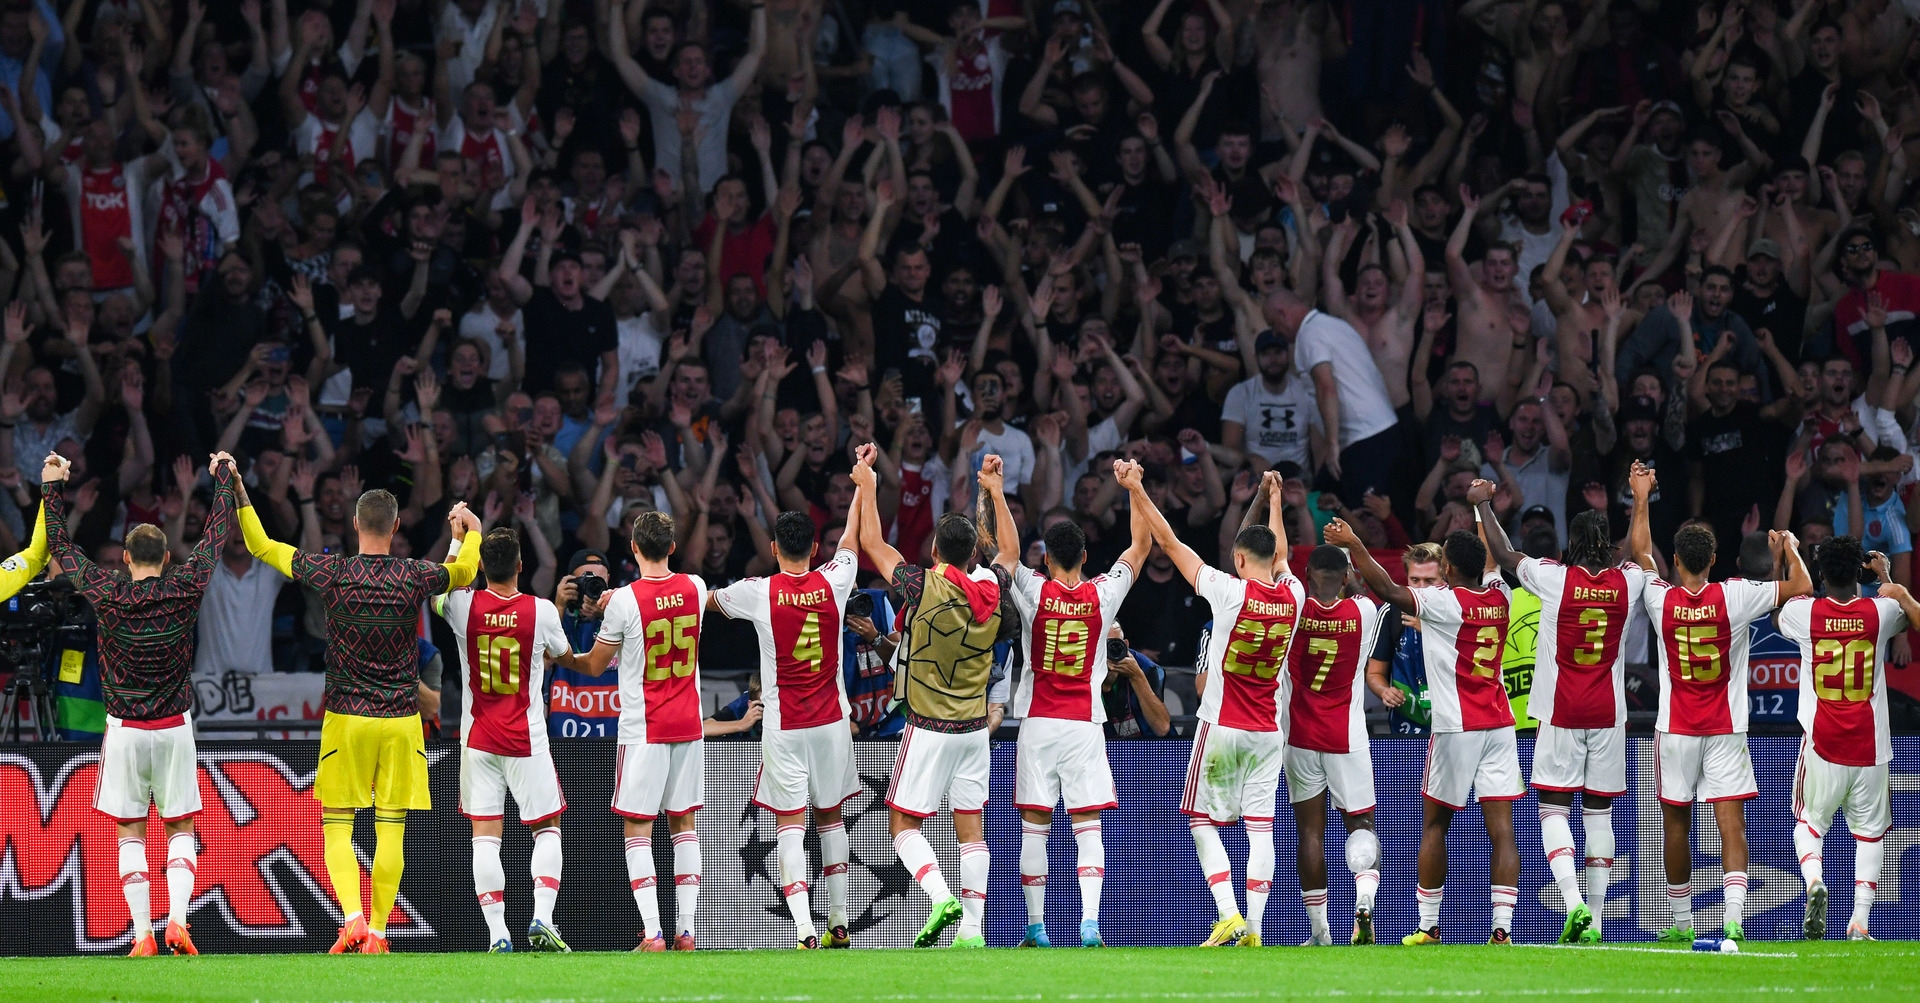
point(1146, 216)
point(556, 334)
point(371, 349)
point(1196, 411)
point(1781, 312)
point(1164, 618)
point(1441, 423)
point(905, 332)
point(1737, 460)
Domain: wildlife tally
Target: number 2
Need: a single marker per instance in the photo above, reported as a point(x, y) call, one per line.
point(1250, 652)
point(1486, 652)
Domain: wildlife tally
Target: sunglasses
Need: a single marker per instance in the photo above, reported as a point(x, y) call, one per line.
point(1859, 247)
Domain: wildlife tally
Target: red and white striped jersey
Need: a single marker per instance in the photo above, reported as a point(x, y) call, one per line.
point(1326, 679)
point(1703, 640)
point(316, 138)
point(799, 619)
point(399, 124)
point(489, 147)
point(504, 643)
point(1843, 674)
point(656, 622)
point(1580, 664)
point(1252, 625)
point(1464, 637)
point(1066, 637)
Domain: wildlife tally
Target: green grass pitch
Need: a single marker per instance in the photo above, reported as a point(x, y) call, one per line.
point(1832, 969)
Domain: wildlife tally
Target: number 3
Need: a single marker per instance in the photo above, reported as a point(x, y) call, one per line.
point(1595, 620)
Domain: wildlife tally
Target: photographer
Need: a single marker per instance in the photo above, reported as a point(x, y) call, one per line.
point(580, 705)
point(869, 666)
point(1132, 691)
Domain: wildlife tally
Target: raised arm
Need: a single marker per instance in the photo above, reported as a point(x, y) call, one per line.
point(873, 541)
point(749, 65)
point(1006, 541)
point(1641, 481)
point(1341, 535)
point(278, 556)
point(1183, 556)
point(1480, 495)
point(630, 72)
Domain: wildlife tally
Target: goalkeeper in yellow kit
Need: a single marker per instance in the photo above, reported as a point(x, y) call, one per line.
point(372, 751)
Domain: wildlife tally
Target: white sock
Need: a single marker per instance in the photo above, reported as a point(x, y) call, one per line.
point(1680, 903)
point(545, 866)
point(1598, 824)
point(1868, 857)
point(1214, 864)
point(133, 883)
point(1807, 844)
point(182, 861)
point(1259, 870)
point(792, 847)
point(834, 854)
point(640, 878)
point(1316, 902)
point(1033, 869)
point(1733, 886)
point(1430, 905)
point(916, 855)
point(490, 886)
point(1092, 867)
point(973, 888)
point(1363, 859)
point(1557, 835)
point(1504, 896)
point(686, 878)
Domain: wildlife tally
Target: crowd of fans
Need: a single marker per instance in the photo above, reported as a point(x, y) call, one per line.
point(570, 260)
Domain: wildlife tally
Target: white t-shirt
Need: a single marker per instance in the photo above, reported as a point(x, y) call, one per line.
point(1276, 423)
point(1015, 450)
point(639, 351)
point(479, 325)
point(1365, 408)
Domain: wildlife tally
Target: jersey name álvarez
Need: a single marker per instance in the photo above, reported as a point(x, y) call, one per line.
point(503, 642)
point(1247, 650)
point(656, 622)
point(1326, 678)
point(1580, 665)
point(1066, 638)
point(1464, 639)
point(1843, 674)
point(798, 618)
point(1703, 641)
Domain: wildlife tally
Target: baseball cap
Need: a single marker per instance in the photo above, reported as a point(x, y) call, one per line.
point(587, 555)
point(1068, 7)
point(1764, 248)
point(1640, 409)
point(1670, 106)
point(1269, 338)
point(1537, 512)
point(1184, 248)
point(563, 253)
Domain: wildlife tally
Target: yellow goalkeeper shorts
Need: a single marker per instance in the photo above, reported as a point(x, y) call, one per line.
point(370, 762)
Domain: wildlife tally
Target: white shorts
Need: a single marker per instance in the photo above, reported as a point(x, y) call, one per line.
point(1233, 774)
point(1347, 776)
point(653, 776)
point(487, 777)
point(1704, 768)
point(1062, 760)
point(142, 764)
point(806, 766)
point(1577, 760)
point(1820, 787)
point(1486, 762)
point(934, 764)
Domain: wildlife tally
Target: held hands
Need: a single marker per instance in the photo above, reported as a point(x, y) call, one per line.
point(992, 473)
point(862, 474)
point(57, 469)
point(1127, 473)
point(1641, 481)
point(1339, 534)
point(1481, 490)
